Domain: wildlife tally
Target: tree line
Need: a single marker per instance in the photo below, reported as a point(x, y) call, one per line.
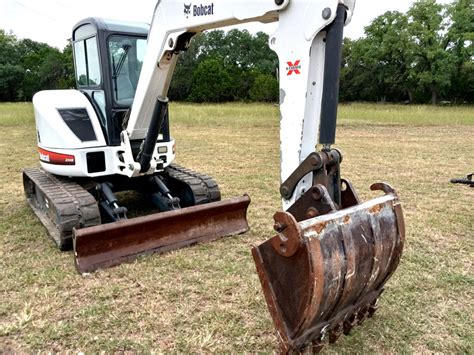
point(424, 55)
point(421, 56)
point(27, 67)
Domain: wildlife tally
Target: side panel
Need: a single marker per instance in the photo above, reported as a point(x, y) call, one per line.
point(71, 141)
point(65, 119)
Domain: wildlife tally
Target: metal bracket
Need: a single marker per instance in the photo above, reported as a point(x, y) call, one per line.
point(287, 241)
point(349, 196)
point(315, 202)
point(326, 172)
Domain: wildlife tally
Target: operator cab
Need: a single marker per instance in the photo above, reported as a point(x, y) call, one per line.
point(108, 57)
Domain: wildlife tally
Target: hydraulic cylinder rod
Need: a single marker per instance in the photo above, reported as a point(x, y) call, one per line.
point(159, 114)
point(332, 70)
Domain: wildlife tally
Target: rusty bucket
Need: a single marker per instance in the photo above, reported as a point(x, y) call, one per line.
point(323, 275)
point(110, 244)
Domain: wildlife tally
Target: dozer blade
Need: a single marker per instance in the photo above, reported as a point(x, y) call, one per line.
point(107, 245)
point(323, 275)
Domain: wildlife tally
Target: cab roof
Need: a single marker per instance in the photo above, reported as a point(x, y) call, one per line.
point(93, 25)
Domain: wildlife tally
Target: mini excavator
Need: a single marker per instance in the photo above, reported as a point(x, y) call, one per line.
point(325, 268)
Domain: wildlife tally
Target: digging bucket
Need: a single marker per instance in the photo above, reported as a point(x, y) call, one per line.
point(323, 275)
point(111, 244)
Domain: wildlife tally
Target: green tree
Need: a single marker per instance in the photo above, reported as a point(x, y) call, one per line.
point(242, 55)
point(388, 51)
point(11, 72)
point(8, 48)
point(11, 77)
point(265, 88)
point(180, 87)
point(432, 65)
point(46, 68)
point(461, 45)
point(211, 82)
point(27, 66)
point(51, 71)
point(357, 81)
point(68, 79)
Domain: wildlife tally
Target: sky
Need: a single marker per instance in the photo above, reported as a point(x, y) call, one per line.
point(51, 21)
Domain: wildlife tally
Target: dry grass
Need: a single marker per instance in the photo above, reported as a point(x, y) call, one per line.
point(208, 298)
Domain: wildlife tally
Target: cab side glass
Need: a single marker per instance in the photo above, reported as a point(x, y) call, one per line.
point(99, 98)
point(93, 62)
point(87, 63)
point(80, 61)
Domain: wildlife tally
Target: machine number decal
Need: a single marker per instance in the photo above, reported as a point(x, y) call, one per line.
point(293, 67)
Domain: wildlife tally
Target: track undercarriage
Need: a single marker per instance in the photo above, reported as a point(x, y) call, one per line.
point(73, 212)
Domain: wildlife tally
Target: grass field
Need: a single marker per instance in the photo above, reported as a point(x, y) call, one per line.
point(208, 298)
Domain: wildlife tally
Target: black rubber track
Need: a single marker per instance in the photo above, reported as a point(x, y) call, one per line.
point(204, 188)
point(60, 204)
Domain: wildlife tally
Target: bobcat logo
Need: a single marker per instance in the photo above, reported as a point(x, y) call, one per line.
point(187, 10)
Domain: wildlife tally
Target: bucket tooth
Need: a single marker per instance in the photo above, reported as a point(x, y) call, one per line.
point(335, 333)
point(323, 275)
point(111, 244)
point(350, 323)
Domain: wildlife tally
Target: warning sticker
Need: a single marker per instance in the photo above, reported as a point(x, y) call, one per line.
point(293, 67)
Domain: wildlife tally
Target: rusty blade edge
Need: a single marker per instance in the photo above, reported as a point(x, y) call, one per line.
point(387, 200)
point(114, 243)
point(316, 332)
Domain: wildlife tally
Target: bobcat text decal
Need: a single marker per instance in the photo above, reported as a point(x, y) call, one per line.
point(198, 10)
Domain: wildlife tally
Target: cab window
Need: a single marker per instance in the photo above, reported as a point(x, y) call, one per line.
point(86, 56)
point(126, 54)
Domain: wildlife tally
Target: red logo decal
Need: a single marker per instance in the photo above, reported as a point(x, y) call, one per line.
point(56, 158)
point(293, 67)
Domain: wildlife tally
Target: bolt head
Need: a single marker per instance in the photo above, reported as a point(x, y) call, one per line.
point(285, 192)
point(312, 212)
point(279, 2)
point(316, 193)
point(315, 160)
point(327, 13)
point(279, 227)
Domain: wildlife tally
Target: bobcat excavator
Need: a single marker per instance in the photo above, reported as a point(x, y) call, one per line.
point(323, 271)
